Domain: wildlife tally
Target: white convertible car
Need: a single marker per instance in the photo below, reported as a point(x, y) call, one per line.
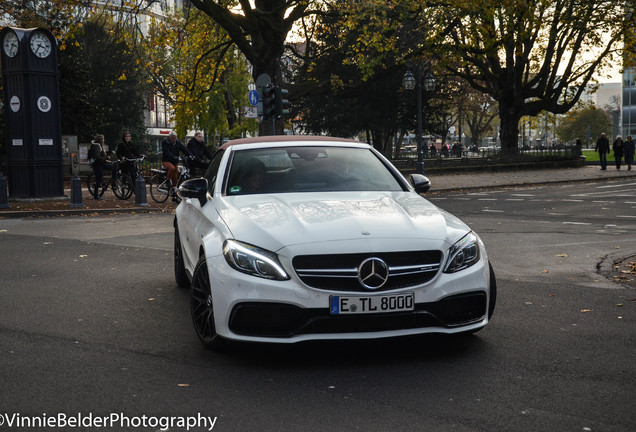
point(295, 238)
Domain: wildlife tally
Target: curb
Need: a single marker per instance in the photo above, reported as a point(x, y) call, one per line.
point(79, 212)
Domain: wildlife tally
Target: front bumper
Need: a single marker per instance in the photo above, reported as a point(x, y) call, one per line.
point(276, 320)
point(248, 308)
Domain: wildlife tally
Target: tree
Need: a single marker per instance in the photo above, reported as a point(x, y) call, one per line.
point(587, 124)
point(334, 97)
point(259, 29)
point(479, 112)
point(529, 56)
point(197, 68)
point(102, 87)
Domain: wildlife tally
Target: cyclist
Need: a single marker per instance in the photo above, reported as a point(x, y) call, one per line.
point(99, 161)
point(170, 148)
point(200, 151)
point(127, 150)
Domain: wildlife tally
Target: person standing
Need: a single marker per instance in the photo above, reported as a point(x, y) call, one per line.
point(578, 148)
point(617, 148)
point(200, 151)
point(127, 150)
point(629, 152)
point(170, 148)
point(602, 147)
point(99, 161)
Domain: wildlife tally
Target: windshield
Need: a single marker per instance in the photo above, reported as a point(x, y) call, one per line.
point(308, 169)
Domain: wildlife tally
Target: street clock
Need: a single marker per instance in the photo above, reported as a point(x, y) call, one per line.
point(10, 44)
point(33, 135)
point(40, 44)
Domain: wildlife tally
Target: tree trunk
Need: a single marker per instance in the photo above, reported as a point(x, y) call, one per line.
point(509, 130)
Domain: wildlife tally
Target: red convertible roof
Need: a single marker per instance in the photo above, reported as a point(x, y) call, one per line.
point(286, 138)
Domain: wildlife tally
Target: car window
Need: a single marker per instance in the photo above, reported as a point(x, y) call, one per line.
point(213, 169)
point(308, 169)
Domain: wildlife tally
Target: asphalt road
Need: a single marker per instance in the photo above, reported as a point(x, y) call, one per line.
point(91, 322)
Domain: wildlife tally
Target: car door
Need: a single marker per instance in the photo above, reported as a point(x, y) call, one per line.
point(195, 219)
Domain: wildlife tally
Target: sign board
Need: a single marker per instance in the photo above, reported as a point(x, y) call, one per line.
point(251, 112)
point(254, 97)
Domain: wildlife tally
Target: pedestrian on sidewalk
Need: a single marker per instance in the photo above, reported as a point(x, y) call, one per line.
point(126, 150)
point(629, 152)
point(617, 148)
point(603, 148)
point(200, 151)
point(99, 161)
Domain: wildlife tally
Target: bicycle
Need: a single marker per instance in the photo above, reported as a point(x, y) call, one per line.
point(136, 162)
point(160, 187)
point(121, 184)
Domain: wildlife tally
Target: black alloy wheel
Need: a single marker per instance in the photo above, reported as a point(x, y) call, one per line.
point(202, 307)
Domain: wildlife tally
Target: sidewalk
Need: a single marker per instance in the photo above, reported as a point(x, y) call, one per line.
point(440, 182)
point(479, 180)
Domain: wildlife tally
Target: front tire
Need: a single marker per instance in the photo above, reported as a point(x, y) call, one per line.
point(159, 189)
point(180, 274)
point(202, 307)
point(123, 187)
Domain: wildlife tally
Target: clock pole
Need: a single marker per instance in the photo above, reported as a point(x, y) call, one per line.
point(32, 113)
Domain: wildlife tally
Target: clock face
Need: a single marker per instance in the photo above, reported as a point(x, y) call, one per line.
point(40, 44)
point(10, 44)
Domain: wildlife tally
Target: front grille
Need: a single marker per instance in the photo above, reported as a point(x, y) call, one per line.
point(339, 272)
point(284, 320)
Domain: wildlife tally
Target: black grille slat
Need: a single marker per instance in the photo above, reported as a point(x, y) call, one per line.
point(339, 272)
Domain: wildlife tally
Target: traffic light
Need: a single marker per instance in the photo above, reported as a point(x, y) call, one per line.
point(268, 100)
point(281, 105)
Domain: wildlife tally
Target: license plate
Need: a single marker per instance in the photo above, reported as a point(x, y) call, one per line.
point(341, 305)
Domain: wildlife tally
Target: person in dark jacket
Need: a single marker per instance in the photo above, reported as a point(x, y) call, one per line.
point(200, 151)
point(617, 148)
point(603, 148)
point(127, 150)
point(98, 160)
point(171, 147)
point(629, 152)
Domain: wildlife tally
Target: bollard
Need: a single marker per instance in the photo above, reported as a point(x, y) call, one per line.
point(140, 191)
point(76, 192)
point(4, 201)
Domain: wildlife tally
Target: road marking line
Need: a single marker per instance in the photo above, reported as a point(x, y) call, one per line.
point(576, 223)
point(492, 211)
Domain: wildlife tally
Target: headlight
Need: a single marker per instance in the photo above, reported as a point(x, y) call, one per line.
point(462, 254)
point(253, 260)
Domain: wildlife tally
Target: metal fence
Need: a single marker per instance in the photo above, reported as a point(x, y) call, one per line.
point(485, 156)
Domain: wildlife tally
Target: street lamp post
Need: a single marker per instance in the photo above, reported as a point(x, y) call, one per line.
point(410, 82)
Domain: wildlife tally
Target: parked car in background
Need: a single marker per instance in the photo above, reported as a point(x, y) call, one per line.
point(295, 238)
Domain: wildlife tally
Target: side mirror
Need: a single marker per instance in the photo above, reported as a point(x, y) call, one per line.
point(420, 183)
point(195, 188)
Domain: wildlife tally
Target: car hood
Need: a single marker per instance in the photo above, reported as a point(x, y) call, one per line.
point(282, 220)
